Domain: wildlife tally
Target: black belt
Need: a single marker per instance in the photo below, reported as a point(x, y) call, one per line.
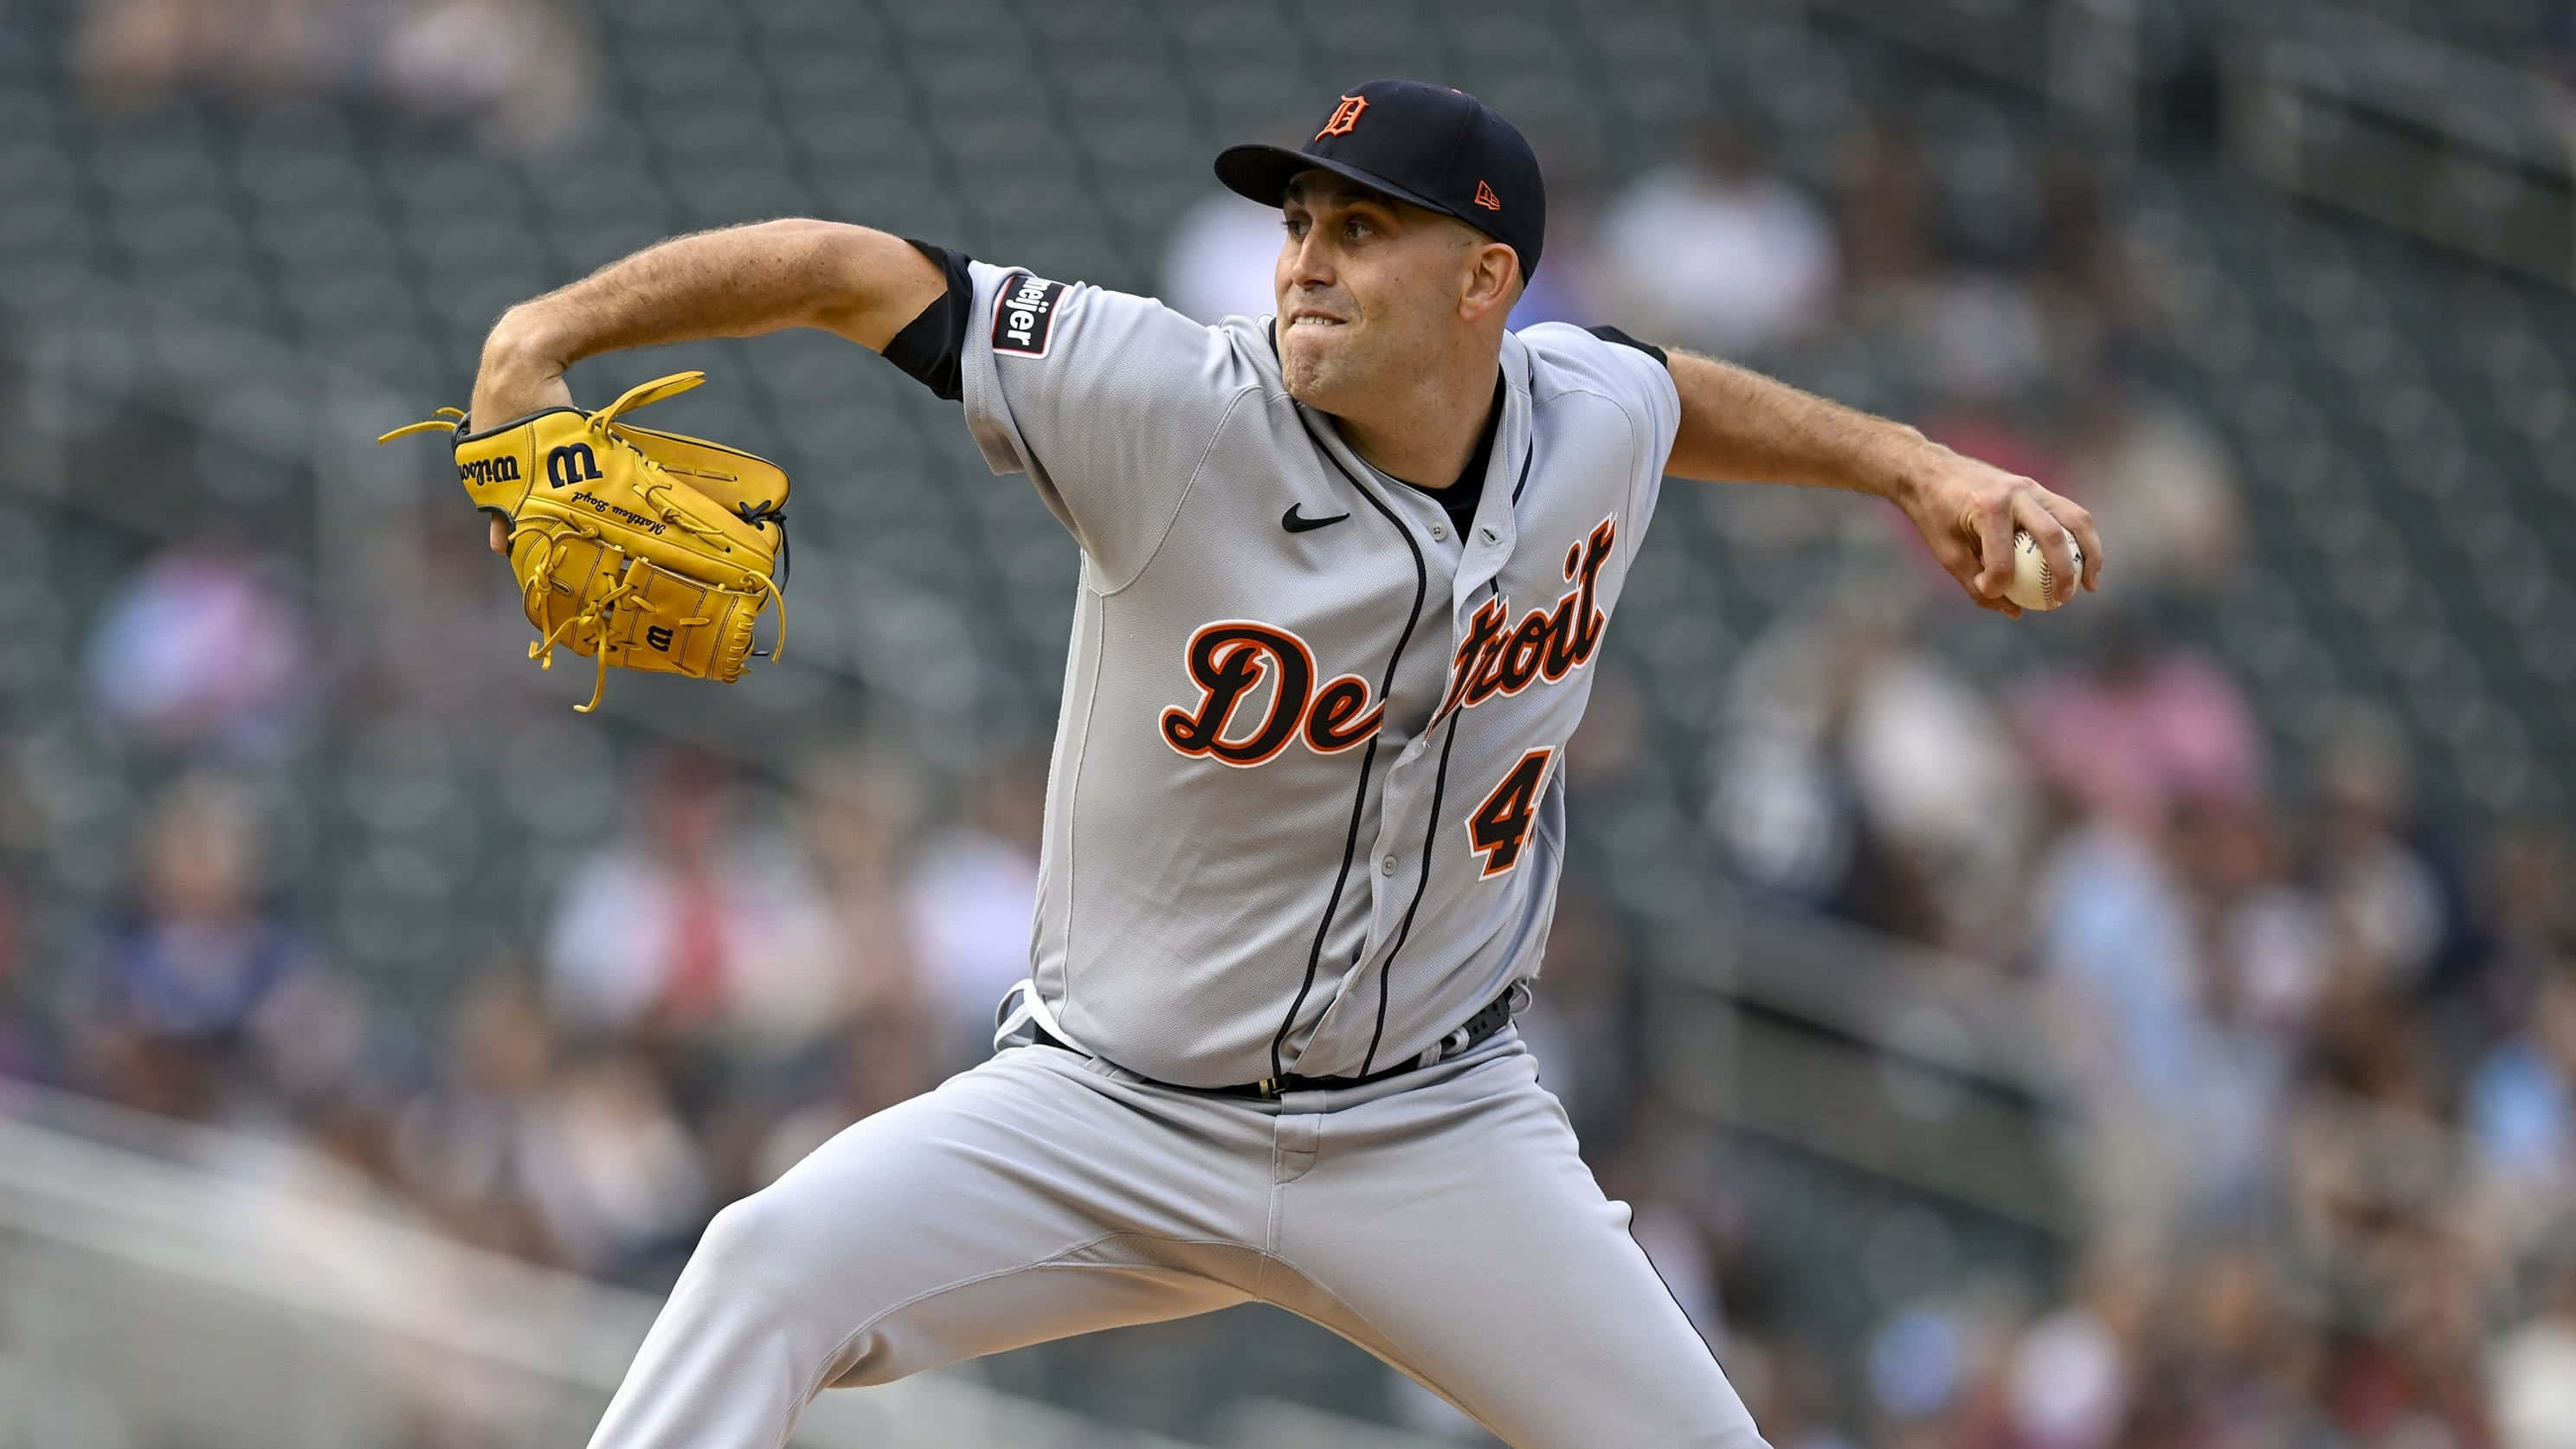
point(1496, 1015)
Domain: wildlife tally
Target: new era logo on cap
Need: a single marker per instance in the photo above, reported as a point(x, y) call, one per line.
point(1429, 145)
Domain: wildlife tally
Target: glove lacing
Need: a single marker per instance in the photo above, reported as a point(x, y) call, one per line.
point(590, 624)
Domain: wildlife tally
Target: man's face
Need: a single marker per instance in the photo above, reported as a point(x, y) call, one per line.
point(1369, 289)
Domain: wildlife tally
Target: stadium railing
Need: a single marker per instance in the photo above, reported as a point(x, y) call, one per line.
point(165, 1283)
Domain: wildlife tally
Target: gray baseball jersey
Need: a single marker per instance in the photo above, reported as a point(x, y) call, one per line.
point(1306, 812)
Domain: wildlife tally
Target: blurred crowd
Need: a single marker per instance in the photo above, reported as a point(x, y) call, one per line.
point(2315, 1049)
point(743, 970)
point(512, 75)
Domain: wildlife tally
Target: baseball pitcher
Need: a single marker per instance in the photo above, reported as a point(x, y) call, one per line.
point(1345, 573)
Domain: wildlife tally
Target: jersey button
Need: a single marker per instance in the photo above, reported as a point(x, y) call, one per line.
point(1386, 866)
point(1439, 534)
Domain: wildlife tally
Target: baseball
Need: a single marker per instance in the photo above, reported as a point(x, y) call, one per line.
point(2031, 580)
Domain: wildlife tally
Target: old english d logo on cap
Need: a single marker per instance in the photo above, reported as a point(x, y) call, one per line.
point(1425, 145)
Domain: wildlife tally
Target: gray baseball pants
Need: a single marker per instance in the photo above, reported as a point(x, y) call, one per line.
point(1440, 1219)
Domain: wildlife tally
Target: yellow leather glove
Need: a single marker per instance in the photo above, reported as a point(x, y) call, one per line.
point(638, 548)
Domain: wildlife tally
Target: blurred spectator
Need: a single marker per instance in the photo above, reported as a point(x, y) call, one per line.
point(862, 810)
point(2533, 1373)
point(2383, 889)
point(1716, 252)
point(201, 649)
point(2521, 1097)
point(1951, 307)
point(1920, 1364)
point(2266, 938)
point(620, 1184)
point(2158, 480)
point(201, 997)
point(2372, 1177)
point(2117, 952)
point(2071, 1372)
point(133, 50)
point(2236, 1368)
point(1977, 340)
point(516, 74)
point(1577, 1021)
point(465, 1149)
point(696, 925)
point(2529, 917)
point(974, 908)
point(2082, 274)
point(2160, 483)
point(445, 627)
point(1861, 774)
point(2141, 728)
point(1884, 246)
point(19, 1038)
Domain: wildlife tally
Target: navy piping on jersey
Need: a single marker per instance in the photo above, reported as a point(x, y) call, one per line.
point(1368, 760)
point(1431, 830)
point(1613, 334)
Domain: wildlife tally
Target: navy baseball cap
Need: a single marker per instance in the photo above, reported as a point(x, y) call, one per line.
point(1441, 149)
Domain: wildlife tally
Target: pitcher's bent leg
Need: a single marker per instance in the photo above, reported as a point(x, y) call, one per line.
point(1003, 1209)
point(1453, 1231)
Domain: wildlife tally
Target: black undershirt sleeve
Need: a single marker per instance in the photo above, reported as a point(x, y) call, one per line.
point(1613, 334)
point(931, 348)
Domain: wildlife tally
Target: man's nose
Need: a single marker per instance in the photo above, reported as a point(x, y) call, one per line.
point(1309, 264)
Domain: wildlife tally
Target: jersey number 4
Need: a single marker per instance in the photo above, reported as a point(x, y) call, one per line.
point(1501, 826)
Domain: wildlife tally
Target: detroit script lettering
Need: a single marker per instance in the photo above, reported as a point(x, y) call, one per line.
point(1230, 659)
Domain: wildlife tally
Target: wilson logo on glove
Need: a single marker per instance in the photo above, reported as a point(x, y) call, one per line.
point(664, 563)
point(574, 463)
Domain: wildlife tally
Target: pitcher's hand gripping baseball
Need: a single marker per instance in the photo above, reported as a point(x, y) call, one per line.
point(634, 547)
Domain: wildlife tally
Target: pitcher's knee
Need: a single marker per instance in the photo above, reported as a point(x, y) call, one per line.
point(788, 1247)
point(756, 1243)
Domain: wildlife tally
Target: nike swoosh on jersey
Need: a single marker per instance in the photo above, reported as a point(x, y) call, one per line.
point(1296, 523)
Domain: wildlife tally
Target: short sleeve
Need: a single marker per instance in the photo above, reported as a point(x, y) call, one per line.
point(1630, 374)
point(1109, 402)
point(1639, 385)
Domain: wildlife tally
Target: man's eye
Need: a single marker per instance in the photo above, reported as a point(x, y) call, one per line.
point(1296, 225)
point(1355, 228)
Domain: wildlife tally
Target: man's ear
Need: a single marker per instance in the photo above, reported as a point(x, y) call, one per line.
point(1493, 280)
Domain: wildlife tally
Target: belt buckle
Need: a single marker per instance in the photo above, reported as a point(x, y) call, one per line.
point(1269, 1089)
